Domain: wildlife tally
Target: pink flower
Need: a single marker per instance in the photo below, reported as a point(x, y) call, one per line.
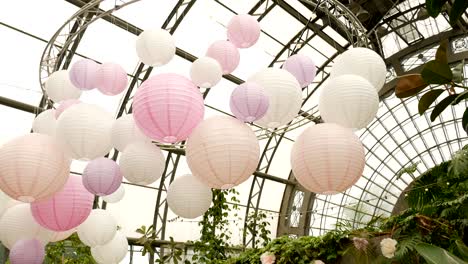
point(360, 243)
point(267, 258)
point(317, 262)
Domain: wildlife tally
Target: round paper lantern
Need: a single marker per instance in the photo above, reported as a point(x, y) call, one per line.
point(102, 176)
point(125, 131)
point(64, 105)
point(5, 202)
point(249, 102)
point(116, 196)
point(111, 79)
point(59, 87)
point(29, 251)
point(66, 209)
point(59, 236)
point(226, 54)
point(302, 67)
point(188, 197)
point(113, 252)
point(206, 72)
point(85, 131)
point(155, 47)
point(222, 152)
point(33, 167)
point(83, 74)
point(98, 229)
point(284, 93)
point(363, 62)
point(45, 123)
point(142, 163)
point(167, 107)
point(17, 223)
point(243, 31)
point(327, 158)
point(348, 100)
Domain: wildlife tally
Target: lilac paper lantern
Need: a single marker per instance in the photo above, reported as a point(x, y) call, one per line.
point(302, 67)
point(167, 107)
point(243, 31)
point(67, 209)
point(226, 54)
point(111, 79)
point(28, 251)
point(102, 176)
point(64, 105)
point(83, 74)
point(249, 102)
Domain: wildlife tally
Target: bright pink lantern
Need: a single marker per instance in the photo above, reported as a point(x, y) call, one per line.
point(249, 102)
point(111, 79)
point(243, 31)
point(167, 107)
point(102, 176)
point(302, 67)
point(67, 209)
point(64, 105)
point(226, 54)
point(29, 251)
point(83, 74)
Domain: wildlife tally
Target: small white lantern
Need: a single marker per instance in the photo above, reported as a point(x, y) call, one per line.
point(206, 72)
point(188, 197)
point(98, 229)
point(59, 236)
point(155, 47)
point(142, 163)
point(45, 123)
point(116, 196)
point(112, 252)
point(59, 87)
point(125, 131)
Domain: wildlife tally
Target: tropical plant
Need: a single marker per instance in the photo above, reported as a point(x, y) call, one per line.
point(434, 8)
point(68, 251)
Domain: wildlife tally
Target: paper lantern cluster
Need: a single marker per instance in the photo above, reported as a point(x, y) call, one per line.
point(98, 229)
point(113, 251)
point(28, 251)
point(155, 47)
point(188, 197)
point(249, 102)
point(142, 163)
point(125, 131)
point(102, 176)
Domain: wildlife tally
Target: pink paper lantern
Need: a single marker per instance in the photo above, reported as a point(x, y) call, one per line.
point(64, 105)
point(243, 31)
point(226, 54)
point(29, 251)
point(167, 107)
point(111, 79)
point(327, 158)
point(302, 67)
point(83, 74)
point(249, 102)
point(67, 209)
point(102, 176)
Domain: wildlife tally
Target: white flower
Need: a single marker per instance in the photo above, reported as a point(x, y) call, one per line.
point(267, 258)
point(317, 262)
point(388, 247)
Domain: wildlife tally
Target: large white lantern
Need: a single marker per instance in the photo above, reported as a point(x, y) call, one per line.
point(98, 229)
point(348, 100)
point(85, 131)
point(206, 72)
point(188, 197)
point(112, 252)
point(59, 87)
point(284, 93)
point(142, 163)
point(363, 62)
point(116, 196)
point(45, 123)
point(125, 131)
point(155, 47)
point(222, 152)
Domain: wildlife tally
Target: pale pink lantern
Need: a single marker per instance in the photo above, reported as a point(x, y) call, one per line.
point(102, 176)
point(28, 251)
point(83, 74)
point(249, 102)
point(167, 107)
point(302, 67)
point(327, 158)
point(64, 105)
point(226, 54)
point(67, 209)
point(243, 31)
point(111, 79)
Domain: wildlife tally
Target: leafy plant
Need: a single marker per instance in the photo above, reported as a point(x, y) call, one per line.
point(68, 251)
point(147, 238)
point(175, 254)
point(434, 8)
point(257, 224)
point(436, 255)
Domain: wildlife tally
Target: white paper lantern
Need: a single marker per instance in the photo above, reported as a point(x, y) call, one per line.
point(188, 197)
point(17, 223)
point(98, 229)
point(206, 72)
point(284, 93)
point(85, 131)
point(112, 252)
point(59, 87)
point(142, 163)
point(5, 203)
point(155, 47)
point(363, 62)
point(348, 100)
point(116, 196)
point(45, 123)
point(125, 131)
point(59, 236)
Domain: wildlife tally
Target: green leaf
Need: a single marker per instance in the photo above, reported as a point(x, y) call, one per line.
point(440, 107)
point(409, 85)
point(441, 54)
point(434, 7)
point(437, 255)
point(465, 120)
point(435, 72)
point(458, 8)
point(462, 249)
point(458, 73)
point(427, 99)
point(460, 97)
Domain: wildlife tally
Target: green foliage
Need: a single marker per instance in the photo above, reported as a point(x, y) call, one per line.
point(436, 255)
point(436, 72)
point(257, 224)
point(427, 99)
point(146, 239)
point(411, 169)
point(434, 7)
point(175, 254)
point(68, 251)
